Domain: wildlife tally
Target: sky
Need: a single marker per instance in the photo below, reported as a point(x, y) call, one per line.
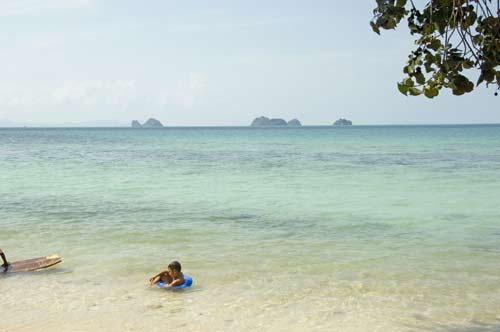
point(208, 63)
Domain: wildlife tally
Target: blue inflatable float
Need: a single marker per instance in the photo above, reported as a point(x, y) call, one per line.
point(188, 281)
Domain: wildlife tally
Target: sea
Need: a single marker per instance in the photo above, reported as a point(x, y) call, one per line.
point(361, 228)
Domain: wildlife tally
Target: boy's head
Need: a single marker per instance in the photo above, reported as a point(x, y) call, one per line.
point(175, 266)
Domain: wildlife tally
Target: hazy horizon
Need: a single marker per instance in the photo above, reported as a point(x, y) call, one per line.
point(124, 125)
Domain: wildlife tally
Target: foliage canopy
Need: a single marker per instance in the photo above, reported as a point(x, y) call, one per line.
point(453, 36)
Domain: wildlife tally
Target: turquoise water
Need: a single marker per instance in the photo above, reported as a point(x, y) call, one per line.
point(390, 228)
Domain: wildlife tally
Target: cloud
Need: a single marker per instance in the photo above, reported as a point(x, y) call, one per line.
point(94, 92)
point(81, 94)
point(23, 7)
point(93, 95)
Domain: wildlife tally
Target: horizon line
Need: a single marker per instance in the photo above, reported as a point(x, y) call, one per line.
point(55, 126)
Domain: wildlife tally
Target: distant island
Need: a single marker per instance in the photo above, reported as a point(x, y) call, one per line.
point(263, 121)
point(294, 123)
point(342, 122)
point(151, 123)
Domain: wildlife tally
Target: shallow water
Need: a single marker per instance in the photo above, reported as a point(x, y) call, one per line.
point(343, 229)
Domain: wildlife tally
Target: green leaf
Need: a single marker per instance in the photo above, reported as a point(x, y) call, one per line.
point(411, 67)
point(401, 3)
point(390, 24)
point(471, 19)
point(469, 87)
point(431, 92)
point(428, 29)
point(375, 28)
point(477, 39)
point(462, 83)
point(428, 67)
point(413, 28)
point(467, 64)
point(488, 75)
point(420, 78)
point(435, 44)
point(414, 91)
point(429, 57)
point(403, 89)
point(408, 82)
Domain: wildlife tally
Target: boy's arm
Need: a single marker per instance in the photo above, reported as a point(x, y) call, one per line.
point(176, 282)
point(154, 280)
point(156, 277)
point(159, 274)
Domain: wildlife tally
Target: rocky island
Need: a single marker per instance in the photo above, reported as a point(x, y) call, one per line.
point(151, 123)
point(294, 123)
point(263, 121)
point(342, 122)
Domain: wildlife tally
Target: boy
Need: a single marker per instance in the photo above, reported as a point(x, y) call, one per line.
point(170, 277)
point(5, 264)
